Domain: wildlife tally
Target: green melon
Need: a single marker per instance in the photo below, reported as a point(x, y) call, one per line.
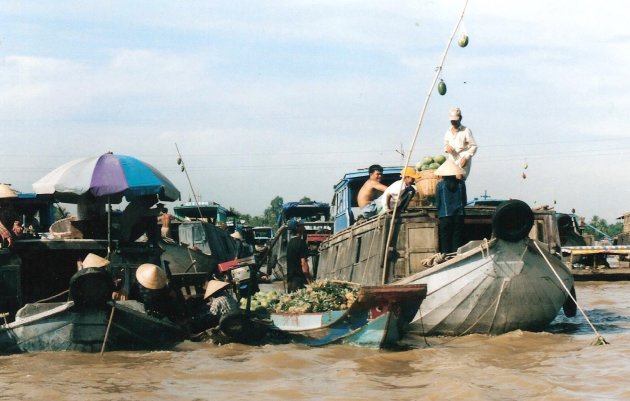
point(425, 167)
point(433, 166)
point(463, 40)
point(427, 160)
point(439, 159)
point(442, 88)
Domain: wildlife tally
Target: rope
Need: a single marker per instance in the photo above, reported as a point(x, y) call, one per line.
point(599, 340)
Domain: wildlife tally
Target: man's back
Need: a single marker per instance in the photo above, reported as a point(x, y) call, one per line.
point(370, 190)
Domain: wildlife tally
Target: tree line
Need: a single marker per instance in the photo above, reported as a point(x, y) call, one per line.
point(270, 216)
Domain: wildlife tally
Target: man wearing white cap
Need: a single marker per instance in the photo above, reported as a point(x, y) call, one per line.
point(459, 142)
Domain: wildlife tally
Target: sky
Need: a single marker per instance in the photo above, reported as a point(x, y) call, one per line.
point(282, 98)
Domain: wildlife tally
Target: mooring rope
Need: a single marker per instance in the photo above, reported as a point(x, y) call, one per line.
point(600, 339)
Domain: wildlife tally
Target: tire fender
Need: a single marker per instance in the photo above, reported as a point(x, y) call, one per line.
point(512, 220)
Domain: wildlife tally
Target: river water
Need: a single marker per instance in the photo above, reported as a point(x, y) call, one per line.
point(560, 364)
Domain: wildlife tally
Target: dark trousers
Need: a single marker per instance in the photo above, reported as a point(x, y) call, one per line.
point(295, 284)
point(451, 233)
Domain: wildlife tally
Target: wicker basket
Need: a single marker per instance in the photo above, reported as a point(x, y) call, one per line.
point(64, 229)
point(426, 183)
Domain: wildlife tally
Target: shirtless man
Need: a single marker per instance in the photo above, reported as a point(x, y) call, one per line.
point(370, 191)
point(166, 224)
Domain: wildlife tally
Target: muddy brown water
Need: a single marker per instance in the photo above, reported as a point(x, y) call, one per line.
point(559, 364)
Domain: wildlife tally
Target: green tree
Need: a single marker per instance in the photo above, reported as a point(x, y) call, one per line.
point(600, 228)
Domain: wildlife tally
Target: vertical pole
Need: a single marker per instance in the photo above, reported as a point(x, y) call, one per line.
point(438, 72)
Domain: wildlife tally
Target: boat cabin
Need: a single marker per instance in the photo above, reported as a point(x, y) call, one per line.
point(262, 235)
point(344, 206)
point(316, 219)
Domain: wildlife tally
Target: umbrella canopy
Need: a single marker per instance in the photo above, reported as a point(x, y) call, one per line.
point(106, 175)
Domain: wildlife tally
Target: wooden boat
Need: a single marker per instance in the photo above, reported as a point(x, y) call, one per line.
point(89, 322)
point(67, 327)
point(505, 283)
point(377, 319)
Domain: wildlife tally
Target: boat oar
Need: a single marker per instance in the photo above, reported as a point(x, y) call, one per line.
point(599, 340)
point(109, 325)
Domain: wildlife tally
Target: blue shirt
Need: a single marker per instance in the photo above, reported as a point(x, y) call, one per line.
point(450, 203)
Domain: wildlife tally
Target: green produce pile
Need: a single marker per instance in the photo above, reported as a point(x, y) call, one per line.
point(320, 296)
point(262, 301)
point(430, 163)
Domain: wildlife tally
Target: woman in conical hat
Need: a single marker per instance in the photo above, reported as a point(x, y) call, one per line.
point(152, 290)
point(221, 301)
point(151, 276)
point(450, 200)
point(92, 260)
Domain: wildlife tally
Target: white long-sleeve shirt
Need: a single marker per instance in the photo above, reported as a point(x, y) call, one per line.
point(464, 146)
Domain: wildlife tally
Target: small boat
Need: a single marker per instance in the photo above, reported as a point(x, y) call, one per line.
point(65, 326)
point(89, 322)
point(377, 319)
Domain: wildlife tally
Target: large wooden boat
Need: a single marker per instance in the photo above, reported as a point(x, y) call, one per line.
point(509, 276)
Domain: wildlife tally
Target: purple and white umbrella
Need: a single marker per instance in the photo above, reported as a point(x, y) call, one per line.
point(114, 176)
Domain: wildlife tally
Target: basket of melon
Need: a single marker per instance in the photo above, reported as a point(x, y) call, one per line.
point(426, 169)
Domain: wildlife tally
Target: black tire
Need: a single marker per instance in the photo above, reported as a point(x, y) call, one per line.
point(512, 220)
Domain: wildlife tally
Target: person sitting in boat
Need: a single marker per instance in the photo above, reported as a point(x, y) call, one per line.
point(152, 290)
point(243, 249)
point(18, 230)
point(369, 195)
point(400, 191)
point(221, 301)
point(92, 284)
point(7, 213)
point(450, 200)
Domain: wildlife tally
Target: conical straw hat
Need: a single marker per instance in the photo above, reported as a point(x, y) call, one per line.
point(151, 276)
point(449, 168)
point(92, 260)
point(7, 192)
point(214, 286)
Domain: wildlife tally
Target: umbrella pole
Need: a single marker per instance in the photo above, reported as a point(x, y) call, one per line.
point(109, 227)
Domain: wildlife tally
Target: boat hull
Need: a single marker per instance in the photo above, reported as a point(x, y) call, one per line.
point(492, 289)
point(64, 327)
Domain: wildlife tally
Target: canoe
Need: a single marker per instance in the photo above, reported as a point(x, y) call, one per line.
point(377, 319)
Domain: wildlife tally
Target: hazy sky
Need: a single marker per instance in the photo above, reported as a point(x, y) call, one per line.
point(268, 98)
